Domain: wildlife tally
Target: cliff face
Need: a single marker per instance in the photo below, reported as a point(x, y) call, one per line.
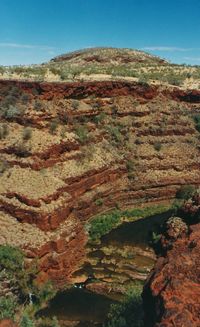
point(171, 293)
point(71, 150)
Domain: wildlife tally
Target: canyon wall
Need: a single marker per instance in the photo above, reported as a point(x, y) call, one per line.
point(172, 290)
point(92, 147)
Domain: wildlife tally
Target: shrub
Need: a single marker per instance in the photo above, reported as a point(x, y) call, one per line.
point(11, 258)
point(173, 79)
point(185, 192)
point(37, 105)
point(12, 113)
point(26, 321)
point(9, 100)
point(63, 132)
point(115, 133)
point(25, 98)
point(99, 202)
point(100, 118)
point(2, 69)
point(177, 225)
point(7, 307)
point(3, 166)
point(157, 146)
point(129, 312)
point(130, 165)
point(54, 322)
point(75, 104)
point(45, 293)
point(197, 122)
point(27, 133)
point(53, 126)
point(82, 133)
point(3, 131)
point(143, 80)
point(102, 224)
point(114, 109)
point(138, 141)
point(54, 70)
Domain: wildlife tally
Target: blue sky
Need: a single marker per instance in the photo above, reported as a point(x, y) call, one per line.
point(34, 31)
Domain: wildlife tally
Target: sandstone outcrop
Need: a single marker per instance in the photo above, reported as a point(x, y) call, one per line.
point(7, 323)
point(92, 146)
point(171, 293)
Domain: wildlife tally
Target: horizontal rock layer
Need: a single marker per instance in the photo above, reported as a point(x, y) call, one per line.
point(94, 146)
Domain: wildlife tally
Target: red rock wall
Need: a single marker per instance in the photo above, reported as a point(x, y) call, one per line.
point(104, 89)
point(111, 183)
point(172, 291)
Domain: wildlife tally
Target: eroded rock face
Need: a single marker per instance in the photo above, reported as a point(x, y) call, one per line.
point(7, 323)
point(172, 291)
point(93, 146)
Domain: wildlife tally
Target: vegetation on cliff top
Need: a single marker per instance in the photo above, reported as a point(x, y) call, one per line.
point(107, 63)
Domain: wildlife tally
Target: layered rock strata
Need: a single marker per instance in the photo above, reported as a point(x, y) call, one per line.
point(92, 147)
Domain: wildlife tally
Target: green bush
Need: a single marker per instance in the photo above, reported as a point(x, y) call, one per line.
point(11, 258)
point(197, 122)
point(12, 113)
point(27, 133)
point(115, 133)
point(26, 321)
point(25, 98)
point(3, 166)
point(37, 105)
point(53, 126)
point(54, 322)
point(174, 79)
point(185, 192)
point(103, 224)
point(129, 313)
point(100, 118)
point(82, 133)
point(7, 307)
point(99, 202)
point(157, 146)
point(130, 165)
point(3, 131)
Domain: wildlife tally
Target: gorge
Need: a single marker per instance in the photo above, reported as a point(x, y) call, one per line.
point(88, 171)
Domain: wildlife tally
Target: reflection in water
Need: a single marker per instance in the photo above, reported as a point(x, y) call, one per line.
point(137, 232)
point(78, 305)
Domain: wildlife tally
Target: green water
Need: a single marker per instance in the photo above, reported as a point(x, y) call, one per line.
point(81, 305)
